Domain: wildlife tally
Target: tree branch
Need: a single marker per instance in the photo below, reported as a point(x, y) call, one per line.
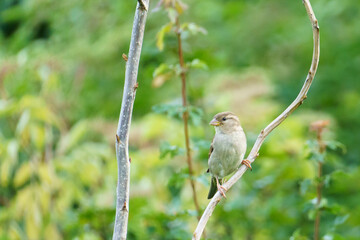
point(255, 150)
point(122, 134)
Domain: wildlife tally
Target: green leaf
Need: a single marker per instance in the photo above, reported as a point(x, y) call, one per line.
point(176, 111)
point(23, 174)
point(161, 34)
point(161, 74)
point(195, 115)
point(171, 110)
point(201, 144)
point(203, 179)
point(161, 69)
point(37, 134)
point(341, 219)
point(172, 14)
point(304, 186)
point(334, 208)
point(333, 236)
point(196, 63)
point(297, 236)
point(180, 6)
point(23, 122)
point(168, 149)
point(263, 182)
point(193, 28)
point(13, 150)
point(14, 13)
point(326, 180)
point(76, 134)
point(7, 108)
point(176, 183)
point(335, 145)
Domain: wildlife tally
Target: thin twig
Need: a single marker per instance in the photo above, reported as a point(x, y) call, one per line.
point(319, 127)
point(186, 118)
point(255, 150)
point(318, 200)
point(122, 134)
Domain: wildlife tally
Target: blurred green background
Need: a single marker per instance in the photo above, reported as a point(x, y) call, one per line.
point(61, 81)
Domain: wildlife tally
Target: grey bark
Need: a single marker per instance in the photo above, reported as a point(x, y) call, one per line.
point(122, 134)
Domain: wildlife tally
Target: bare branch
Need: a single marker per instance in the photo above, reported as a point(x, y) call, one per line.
point(122, 134)
point(255, 150)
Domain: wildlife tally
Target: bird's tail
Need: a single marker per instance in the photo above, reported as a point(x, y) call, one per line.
point(213, 187)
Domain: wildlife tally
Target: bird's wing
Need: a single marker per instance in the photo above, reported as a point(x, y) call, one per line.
point(211, 147)
point(211, 150)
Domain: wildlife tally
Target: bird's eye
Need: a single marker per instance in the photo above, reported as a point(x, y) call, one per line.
point(224, 119)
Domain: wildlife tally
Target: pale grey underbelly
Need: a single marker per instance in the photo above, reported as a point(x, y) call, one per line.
point(224, 162)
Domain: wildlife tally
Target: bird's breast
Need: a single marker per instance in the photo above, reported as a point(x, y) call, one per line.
point(228, 153)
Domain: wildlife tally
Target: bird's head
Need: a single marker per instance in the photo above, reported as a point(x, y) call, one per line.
point(225, 122)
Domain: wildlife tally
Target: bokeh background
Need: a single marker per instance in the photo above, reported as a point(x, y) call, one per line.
point(61, 81)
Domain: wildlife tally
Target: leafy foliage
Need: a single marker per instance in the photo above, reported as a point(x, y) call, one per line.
point(61, 75)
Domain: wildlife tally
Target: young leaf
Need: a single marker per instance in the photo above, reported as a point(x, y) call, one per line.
point(161, 74)
point(193, 28)
point(161, 34)
point(196, 63)
point(180, 6)
point(172, 14)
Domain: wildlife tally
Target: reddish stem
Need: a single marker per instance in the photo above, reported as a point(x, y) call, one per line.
point(186, 117)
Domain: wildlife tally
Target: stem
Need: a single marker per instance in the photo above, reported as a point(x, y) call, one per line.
point(186, 117)
point(318, 193)
point(122, 133)
point(254, 153)
point(319, 185)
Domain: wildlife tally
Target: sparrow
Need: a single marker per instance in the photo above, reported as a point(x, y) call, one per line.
point(227, 150)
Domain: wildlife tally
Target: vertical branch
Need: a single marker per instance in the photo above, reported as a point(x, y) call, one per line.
point(318, 200)
point(254, 153)
point(186, 116)
point(122, 134)
point(318, 127)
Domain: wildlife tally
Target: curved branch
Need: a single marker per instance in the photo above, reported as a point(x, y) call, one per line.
point(122, 134)
point(276, 122)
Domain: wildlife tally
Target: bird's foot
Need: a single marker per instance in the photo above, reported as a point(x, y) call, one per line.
point(247, 163)
point(222, 190)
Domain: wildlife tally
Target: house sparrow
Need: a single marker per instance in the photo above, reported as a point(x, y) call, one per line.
point(227, 150)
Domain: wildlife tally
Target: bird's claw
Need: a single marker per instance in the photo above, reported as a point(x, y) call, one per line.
point(247, 163)
point(222, 190)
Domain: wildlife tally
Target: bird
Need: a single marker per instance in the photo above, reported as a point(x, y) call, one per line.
point(227, 150)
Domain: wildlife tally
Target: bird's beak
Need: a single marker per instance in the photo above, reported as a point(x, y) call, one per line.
point(214, 122)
